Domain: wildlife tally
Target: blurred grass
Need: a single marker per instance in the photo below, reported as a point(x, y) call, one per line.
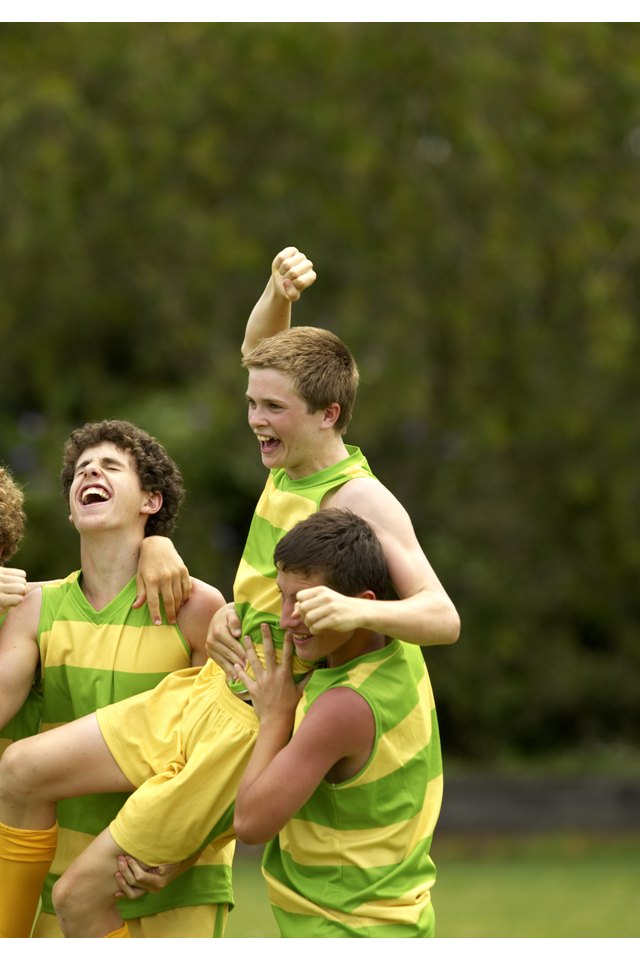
point(553, 886)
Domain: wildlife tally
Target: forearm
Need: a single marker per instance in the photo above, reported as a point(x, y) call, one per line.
point(12, 697)
point(259, 790)
point(427, 618)
point(271, 315)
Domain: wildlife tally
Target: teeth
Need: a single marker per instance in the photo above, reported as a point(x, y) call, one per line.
point(94, 492)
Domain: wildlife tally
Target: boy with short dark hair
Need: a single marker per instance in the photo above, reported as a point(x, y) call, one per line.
point(349, 839)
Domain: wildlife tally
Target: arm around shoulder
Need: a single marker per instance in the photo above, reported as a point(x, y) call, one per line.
point(423, 613)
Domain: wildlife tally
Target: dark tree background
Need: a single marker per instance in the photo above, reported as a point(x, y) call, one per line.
point(470, 197)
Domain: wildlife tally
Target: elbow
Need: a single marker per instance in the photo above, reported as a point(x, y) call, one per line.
point(453, 627)
point(248, 829)
point(448, 629)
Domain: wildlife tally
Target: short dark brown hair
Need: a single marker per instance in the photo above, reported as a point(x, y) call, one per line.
point(338, 546)
point(321, 366)
point(156, 470)
point(12, 515)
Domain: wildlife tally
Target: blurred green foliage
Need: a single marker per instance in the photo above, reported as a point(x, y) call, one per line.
point(470, 197)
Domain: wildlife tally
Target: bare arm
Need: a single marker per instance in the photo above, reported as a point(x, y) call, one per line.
point(161, 574)
point(337, 729)
point(194, 618)
point(291, 273)
point(19, 654)
point(424, 613)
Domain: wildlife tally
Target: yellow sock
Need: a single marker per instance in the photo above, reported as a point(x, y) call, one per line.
point(25, 858)
point(122, 931)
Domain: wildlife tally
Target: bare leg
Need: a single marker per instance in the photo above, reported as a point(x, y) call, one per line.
point(66, 762)
point(69, 761)
point(84, 896)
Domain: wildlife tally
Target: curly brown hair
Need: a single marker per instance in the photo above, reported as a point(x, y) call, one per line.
point(156, 470)
point(12, 515)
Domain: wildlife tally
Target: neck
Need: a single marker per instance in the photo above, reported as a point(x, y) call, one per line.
point(108, 563)
point(331, 453)
point(359, 643)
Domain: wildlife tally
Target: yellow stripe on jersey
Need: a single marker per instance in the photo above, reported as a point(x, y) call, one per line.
point(366, 915)
point(254, 588)
point(112, 646)
point(319, 845)
point(282, 508)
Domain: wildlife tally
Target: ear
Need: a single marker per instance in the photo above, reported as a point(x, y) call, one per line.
point(152, 502)
point(368, 595)
point(330, 416)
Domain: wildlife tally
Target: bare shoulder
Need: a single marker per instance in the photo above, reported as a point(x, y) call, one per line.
point(338, 728)
point(204, 600)
point(34, 584)
point(340, 700)
point(338, 712)
point(195, 616)
point(409, 568)
point(24, 618)
point(370, 499)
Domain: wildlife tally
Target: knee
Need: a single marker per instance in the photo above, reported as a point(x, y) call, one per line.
point(83, 899)
point(18, 774)
point(59, 893)
point(64, 901)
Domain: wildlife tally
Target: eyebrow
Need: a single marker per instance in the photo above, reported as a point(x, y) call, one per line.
point(105, 461)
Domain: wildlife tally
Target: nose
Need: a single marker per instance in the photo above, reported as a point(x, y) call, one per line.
point(289, 619)
point(255, 416)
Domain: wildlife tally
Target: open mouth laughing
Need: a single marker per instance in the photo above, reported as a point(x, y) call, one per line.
point(93, 494)
point(267, 444)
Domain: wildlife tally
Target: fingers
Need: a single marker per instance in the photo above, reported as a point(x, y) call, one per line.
point(141, 594)
point(174, 593)
point(239, 673)
point(127, 882)
point(267, 645)
point(287, 654)
point(170, 598)
point(252, 658)
point(295, 271)
point(223, 645)
point(13, 586)
point(233, 621)
point(134, 880)
point(323, 609)
point(152, 597)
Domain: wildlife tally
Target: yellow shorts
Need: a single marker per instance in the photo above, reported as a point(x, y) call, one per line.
point(204, 921)
point(184, 745)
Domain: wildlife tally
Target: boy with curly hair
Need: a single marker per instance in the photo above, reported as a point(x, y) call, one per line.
point(93, 647)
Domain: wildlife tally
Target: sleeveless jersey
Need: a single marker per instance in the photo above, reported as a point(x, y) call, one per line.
point(354, 860)
point(284, 502)
point(90, 659)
